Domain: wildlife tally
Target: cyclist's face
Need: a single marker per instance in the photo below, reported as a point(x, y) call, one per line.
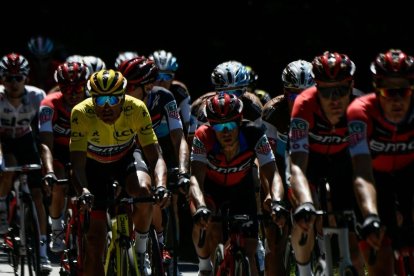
point(227, 136)
point(109, 114)
point(395, 96)
point(14, 85)
point(139, 91)
point(334, 99)
point(73, 94)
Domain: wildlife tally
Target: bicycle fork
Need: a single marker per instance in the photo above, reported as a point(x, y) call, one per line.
point(343, 243)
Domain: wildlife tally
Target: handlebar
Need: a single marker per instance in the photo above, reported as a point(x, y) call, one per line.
point(23, 168)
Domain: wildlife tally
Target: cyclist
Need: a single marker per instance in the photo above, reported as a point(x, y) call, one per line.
point(296, 77)
point(252, 87)
point(319, 152)
point(381, 134)
point(233, 78)
point(19, 108)
point(167, 65)
point(54, 134)
point(104, 130)
point(141, 74)
point(222, 161)
point(42, 62)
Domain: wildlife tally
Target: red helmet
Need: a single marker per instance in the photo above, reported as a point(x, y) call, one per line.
point(223, 107)
point(139, 70)
point(393, 63)
point(72, 73)
point(14, 64)
point(332, 67)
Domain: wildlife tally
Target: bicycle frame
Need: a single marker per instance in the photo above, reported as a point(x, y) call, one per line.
point(233, 251)
point(123, 236)
point(24, 197)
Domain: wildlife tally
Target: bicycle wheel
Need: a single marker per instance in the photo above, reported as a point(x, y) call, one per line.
point(154, 253)
point(241, 265)
point(218, 260)
point(129, 263)
point(69, 255)
point(32, 240)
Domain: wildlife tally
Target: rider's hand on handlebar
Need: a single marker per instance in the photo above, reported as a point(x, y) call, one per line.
point(372, 231)
point(280, 213)
point(162, 196)
point(305, 215)
point(201, 216)
point(85, 200)
point(48, 180)
point(183, 182)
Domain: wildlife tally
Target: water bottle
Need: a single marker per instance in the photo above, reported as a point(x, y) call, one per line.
point(260, 252)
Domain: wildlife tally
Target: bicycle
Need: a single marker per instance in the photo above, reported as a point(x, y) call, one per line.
point(23, 239)
point(173, 227)
point(230, 258)
point(120, 257)
point(342, 220)
point(77, 223)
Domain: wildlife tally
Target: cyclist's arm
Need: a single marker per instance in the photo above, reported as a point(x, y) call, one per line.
point(274, 181)
point(299, 182)
point(157, 164)
point(78, 161)
point(198, 173)
point(181, 149)
point(46, 147)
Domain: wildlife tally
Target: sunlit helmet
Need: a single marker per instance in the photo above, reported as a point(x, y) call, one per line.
point(94, 63)
point(393, 63)
point(123, 56)
point(230, 74)
point(106, 82)
point(223, 107)
point(72, 73)
point(74, 58)
point(298, 74)
point(165, 61)
point(40, 46)
point(332, 67)
point(14, 64)
point(139, 70)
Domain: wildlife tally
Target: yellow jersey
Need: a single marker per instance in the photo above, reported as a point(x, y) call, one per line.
point(110, 142)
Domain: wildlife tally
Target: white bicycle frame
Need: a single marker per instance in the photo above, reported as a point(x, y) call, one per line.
point(22, 188)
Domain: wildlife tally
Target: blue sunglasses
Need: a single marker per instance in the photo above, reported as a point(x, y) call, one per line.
point(221, 127)
point(164, 77)
point(110, 99)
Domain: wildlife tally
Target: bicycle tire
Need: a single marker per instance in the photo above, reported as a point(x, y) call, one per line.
point(154, 252)
point(32, 240)
point(218, 260)
point(128, 262)
point(241, 265)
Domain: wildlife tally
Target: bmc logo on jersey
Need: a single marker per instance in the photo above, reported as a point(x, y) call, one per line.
point(357, 132)
point(172, 110)
point(298, 129)
point(263, 146)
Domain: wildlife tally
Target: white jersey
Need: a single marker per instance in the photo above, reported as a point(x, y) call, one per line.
point(16, 121)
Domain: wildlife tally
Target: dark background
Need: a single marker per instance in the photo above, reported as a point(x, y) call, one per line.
point(265, 34)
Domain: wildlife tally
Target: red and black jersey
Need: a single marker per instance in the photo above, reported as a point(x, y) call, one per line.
point(253, 144)
point(311, 131)
point(390, 145)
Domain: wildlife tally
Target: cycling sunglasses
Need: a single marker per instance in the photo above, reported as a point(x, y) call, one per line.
point(17, 78)
point(111, 100)
point(334, 92)
point(221, 127)
point(393, 92)
point(164, 77)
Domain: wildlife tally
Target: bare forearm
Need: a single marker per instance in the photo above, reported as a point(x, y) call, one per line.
point(366, 196)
